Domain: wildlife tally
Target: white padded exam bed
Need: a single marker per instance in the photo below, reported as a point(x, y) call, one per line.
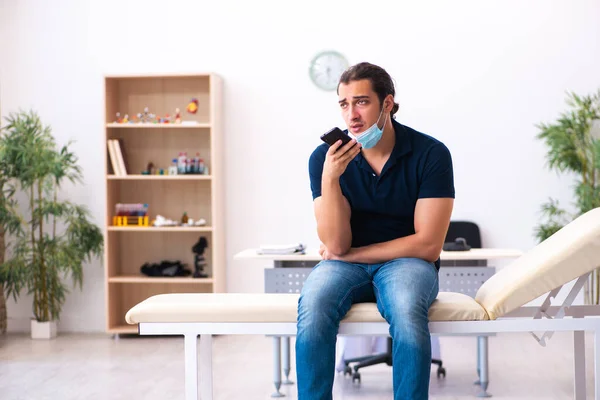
point(499, 306)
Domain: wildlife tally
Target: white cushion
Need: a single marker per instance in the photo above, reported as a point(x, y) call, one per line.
point(215, 307)
point(450, 306)
point(269, 307)
point(569, 253)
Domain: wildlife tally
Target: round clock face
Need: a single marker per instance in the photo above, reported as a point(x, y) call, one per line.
point(326, 68)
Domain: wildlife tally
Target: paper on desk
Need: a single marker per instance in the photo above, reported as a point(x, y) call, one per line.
point(294, 248)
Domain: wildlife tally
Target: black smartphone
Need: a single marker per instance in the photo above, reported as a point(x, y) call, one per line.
point(334, 135)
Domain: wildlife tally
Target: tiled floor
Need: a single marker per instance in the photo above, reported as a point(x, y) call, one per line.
point(76, 366)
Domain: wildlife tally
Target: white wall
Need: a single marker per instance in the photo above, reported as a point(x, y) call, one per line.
point(477, 75)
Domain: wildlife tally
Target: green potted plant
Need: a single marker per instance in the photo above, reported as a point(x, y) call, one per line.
point(56, 236)
point(10, 223)
point(573, 143)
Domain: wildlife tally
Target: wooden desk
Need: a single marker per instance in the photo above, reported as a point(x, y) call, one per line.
point(473, 254)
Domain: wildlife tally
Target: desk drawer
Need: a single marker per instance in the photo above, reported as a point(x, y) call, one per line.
point(285, 280)
point(465, 280)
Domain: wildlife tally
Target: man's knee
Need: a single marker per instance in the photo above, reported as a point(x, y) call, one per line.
point(316, 302)
point(319, 299)
point(408, 318)
point(317, 316)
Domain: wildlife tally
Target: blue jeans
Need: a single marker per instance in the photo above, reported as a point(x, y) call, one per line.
point(403, 288)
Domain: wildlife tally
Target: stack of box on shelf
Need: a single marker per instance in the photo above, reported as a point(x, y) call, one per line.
point(164, 223)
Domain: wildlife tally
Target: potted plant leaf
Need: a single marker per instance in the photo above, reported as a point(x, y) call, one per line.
point(56, 236)
point(574, 146)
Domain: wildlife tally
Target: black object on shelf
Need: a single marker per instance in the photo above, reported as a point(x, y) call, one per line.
point(199, 260)
point(165, 269)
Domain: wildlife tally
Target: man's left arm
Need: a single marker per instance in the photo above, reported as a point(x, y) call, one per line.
point(432, 218)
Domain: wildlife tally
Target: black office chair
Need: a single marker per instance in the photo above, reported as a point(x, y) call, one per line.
point(470, 232)
point(457, 229)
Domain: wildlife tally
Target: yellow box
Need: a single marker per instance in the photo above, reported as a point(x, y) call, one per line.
point(131, 221)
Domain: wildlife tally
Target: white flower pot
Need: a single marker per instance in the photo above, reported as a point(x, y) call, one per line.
point(43, 330)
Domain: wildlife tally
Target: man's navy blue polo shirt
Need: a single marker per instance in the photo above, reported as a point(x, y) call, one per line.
point(383, 207)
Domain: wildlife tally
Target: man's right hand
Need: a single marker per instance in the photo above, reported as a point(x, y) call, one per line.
point(338, 158)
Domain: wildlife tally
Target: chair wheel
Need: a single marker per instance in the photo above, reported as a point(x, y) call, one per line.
point(356, 376)
point(347, 370)
point(441, 371)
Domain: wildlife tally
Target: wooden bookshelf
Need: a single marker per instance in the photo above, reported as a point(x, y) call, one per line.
point(200, 196)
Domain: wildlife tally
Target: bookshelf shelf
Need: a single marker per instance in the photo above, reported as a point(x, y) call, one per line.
point(137, 177)
point(159, 229)
point(124, 329)
point(203, 125)
point(200, 196)
point(158, 280)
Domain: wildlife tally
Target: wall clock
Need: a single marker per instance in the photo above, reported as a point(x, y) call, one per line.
point(326, 68)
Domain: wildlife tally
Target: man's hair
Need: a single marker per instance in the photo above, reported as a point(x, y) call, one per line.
point(381, 81)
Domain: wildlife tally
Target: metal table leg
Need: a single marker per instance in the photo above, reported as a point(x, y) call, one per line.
point(286, 360)
point(478, 381)
point(277, 366)
point(482, 342)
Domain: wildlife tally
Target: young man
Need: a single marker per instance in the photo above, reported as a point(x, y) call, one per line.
point(383, 203)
